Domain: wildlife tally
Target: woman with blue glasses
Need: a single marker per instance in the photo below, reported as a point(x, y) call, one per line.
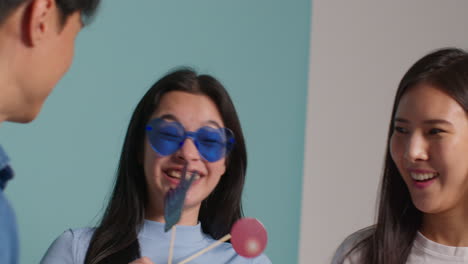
point(185, 121)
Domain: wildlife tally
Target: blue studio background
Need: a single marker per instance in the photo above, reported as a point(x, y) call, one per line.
point(65, 161)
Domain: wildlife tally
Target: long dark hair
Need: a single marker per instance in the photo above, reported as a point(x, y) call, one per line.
point(115, 239)
point(398, 220)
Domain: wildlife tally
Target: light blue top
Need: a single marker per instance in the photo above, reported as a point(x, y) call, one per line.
point(8, 228)
point(71, 246)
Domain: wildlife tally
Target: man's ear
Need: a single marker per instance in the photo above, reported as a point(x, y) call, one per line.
point(39, 20)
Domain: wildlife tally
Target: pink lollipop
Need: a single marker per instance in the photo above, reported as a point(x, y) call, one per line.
point(248, 237)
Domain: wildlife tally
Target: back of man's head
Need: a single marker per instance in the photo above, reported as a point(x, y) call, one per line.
point(66, 8)
point(36, 49)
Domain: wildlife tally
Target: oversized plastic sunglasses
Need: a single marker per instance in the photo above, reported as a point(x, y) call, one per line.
point(166, 137)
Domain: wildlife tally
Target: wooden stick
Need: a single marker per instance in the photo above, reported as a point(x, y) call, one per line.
point(215, 244)
point(171, 248)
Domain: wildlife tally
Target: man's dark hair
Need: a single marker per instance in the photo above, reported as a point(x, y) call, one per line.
point(66, 8)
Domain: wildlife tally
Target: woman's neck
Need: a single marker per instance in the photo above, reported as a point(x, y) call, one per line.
point(448, 228)
point(189, 216)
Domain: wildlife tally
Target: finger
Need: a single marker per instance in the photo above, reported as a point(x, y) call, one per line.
point(147, 260)
point(143, 260)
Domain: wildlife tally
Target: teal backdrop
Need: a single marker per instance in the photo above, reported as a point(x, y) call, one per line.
point(65, 161)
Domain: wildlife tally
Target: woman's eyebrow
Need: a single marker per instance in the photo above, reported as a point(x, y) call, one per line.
point(437, 121)
point(429, 121)
point(401, 120)
point(174, 118)
point(213, 123)
point(169, 116)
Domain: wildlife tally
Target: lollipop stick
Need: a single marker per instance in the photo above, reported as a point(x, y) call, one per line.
point(171, 248)
point(215, 244)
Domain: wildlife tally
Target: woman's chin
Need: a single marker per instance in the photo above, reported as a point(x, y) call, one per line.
point(427, 206)
point(191, 201)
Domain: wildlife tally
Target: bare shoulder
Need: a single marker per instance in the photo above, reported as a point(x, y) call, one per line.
point(349, 243)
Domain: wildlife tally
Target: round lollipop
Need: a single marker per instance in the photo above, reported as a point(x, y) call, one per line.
point(248, 237)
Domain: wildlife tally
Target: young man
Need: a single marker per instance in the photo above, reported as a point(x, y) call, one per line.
point(36, 49)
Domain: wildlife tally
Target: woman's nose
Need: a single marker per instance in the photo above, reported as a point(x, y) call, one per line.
point(188, 151)
point(416, 149)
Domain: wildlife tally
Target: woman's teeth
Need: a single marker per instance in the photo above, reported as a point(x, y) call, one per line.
point(423, 176)
point(178, 174)
point(174, 174)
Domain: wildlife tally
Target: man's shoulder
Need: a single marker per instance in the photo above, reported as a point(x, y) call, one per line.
point(6, 173)
point(8, 232)
point(4, 160)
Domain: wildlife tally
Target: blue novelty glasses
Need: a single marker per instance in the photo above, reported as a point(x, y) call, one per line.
point(166, 137)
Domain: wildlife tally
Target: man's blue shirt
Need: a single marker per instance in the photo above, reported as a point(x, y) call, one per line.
point(8, 229)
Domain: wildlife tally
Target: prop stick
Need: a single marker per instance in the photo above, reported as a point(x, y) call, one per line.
point(171, 248)
point(248, 237)
point(174, 200)
point(210, 247)
point(173, 204)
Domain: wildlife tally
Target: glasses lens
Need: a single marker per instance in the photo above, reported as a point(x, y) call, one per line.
point(212, 143)
point(165, 137)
